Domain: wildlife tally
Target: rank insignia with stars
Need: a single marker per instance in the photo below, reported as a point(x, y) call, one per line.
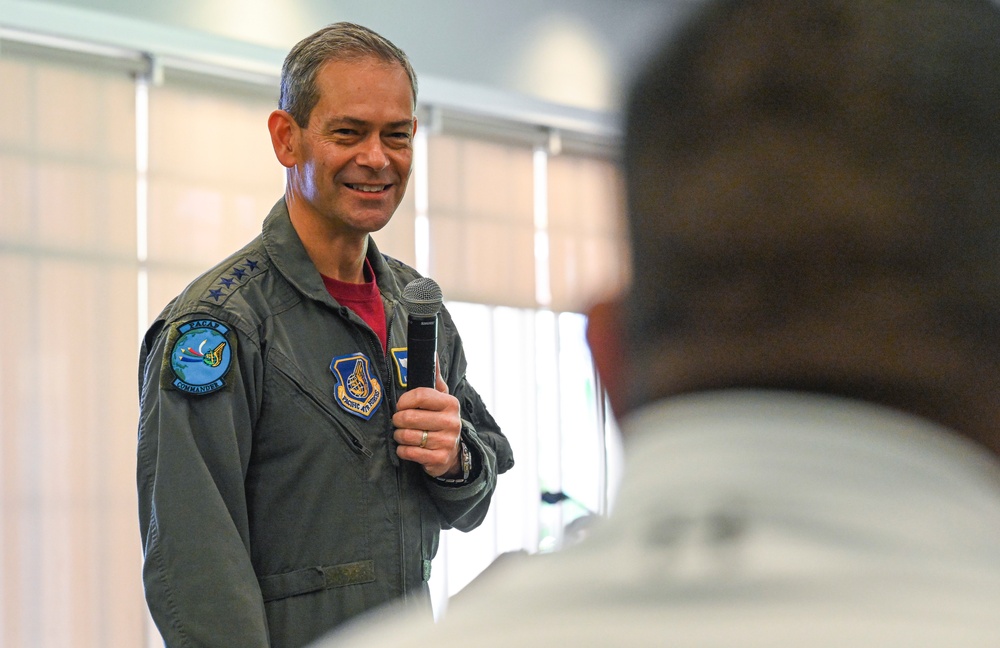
point(232, 278)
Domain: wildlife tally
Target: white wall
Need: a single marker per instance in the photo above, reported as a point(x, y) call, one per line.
point(574, 53)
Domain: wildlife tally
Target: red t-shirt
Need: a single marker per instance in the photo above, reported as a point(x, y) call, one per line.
point(364, 299)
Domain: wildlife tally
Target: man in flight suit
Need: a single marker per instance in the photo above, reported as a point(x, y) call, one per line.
point(287, 480)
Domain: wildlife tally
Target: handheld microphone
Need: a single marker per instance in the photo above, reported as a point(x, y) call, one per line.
point(422, 298)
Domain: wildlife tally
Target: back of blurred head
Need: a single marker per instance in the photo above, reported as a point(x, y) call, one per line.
point(814, 203)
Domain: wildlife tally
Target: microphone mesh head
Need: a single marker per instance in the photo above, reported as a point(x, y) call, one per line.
point(422, 297)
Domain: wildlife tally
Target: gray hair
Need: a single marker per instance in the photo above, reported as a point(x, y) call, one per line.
point(342, 41)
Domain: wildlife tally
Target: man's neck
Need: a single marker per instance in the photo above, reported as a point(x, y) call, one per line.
point(923, 371)
point(336, 254)
point(340, 263)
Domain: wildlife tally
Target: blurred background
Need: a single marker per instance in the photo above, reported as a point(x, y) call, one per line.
point(134, 155)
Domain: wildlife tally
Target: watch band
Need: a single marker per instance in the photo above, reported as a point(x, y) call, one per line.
point(466, 459)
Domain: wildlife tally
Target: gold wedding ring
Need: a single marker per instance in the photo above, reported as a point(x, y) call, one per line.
point(423, 439)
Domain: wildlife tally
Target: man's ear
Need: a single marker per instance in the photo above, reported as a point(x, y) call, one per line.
point(605, 335)
point(284, 136)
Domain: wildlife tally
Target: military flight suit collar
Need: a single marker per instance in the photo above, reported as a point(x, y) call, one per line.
point(290, 258)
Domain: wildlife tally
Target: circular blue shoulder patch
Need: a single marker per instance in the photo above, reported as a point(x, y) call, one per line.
point(201, 356)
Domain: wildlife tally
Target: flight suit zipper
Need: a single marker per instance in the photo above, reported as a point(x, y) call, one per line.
point(387, 358)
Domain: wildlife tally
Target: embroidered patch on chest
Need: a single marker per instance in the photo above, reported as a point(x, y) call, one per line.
point(357, 390)
point(399, 360)
point(201, 356)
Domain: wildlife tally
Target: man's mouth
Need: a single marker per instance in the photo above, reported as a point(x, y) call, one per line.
point(367, 188)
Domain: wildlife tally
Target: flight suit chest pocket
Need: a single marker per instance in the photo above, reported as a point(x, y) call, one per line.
point(300, 400)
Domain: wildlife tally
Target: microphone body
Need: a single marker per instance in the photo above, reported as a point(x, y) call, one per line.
point(421, 351)
point(422, 298)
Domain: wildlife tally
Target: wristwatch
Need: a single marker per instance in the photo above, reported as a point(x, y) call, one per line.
point(466, 459)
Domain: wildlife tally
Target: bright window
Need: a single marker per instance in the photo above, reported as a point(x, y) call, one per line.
point(116, 192)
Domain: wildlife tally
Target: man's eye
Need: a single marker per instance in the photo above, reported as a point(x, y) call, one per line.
point(345, 132)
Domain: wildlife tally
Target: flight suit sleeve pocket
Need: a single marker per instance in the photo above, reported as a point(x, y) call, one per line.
point(315, 579)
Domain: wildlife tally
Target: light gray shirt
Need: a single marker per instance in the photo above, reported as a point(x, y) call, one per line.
point(759, 519)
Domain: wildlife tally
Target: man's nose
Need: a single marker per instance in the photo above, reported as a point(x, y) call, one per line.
point(372, 154)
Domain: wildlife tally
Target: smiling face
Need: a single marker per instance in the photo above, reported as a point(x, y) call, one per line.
point(349, 166)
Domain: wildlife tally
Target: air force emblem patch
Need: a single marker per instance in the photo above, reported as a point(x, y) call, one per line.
point(201, 356)
point(357, 390)
point(399, 359)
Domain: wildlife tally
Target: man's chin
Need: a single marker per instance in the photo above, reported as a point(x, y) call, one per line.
point(371, 223)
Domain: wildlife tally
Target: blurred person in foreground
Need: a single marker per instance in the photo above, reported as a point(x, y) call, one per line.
point(287, 481)
point(806, 368)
